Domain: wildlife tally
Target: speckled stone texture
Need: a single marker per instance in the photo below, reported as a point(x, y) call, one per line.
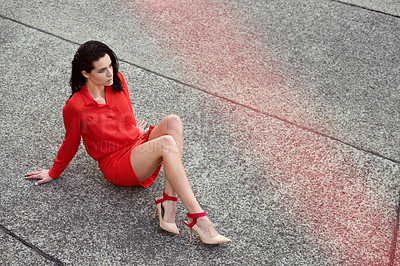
point(13, 252)
point(291, 129)
point(387, 6)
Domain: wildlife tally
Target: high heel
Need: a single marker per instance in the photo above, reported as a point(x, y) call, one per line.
point(219, 239)
point(170, 227)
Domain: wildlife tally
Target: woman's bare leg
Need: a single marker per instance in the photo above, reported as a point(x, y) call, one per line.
point(147, 157)
point(169, 125)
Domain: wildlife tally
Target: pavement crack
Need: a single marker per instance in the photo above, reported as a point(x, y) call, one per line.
point(38, 29)
point(31, 246)
point(366, 8)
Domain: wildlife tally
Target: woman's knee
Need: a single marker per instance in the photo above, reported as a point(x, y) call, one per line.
point(168, 145)
point(174, 125)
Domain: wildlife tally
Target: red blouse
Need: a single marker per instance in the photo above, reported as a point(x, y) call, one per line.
point(104, 128)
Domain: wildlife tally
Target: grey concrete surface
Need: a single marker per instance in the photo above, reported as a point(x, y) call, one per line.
point(14, 252)
point(386, 6)
point(265, 91)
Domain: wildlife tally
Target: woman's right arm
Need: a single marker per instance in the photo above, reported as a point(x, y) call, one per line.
point(72, 122)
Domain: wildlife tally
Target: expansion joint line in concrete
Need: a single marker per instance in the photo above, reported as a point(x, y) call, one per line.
point(366, 8)
point(30, 245)
point(221, 97)
point(37, 29)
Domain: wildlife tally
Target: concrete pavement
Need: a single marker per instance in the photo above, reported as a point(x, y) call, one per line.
point(291, 123)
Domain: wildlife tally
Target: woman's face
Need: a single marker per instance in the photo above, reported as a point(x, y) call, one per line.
point(102, 73)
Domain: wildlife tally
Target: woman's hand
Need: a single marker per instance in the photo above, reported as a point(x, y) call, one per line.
point(42, 174)
point(141, 125)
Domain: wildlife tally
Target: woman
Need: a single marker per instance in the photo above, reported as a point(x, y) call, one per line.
point(99, 110)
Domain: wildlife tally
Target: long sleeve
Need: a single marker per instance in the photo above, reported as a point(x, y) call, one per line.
point(70, 145)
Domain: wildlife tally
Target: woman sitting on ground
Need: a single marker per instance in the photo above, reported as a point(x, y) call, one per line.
point(99, 110)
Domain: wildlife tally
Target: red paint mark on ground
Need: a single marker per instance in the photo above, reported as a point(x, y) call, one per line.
point(325, 186)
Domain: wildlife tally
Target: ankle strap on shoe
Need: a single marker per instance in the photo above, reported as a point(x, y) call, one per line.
point(165, 197)
point(194, 216)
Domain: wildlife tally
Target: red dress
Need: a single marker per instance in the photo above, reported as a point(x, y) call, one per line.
point(109, 134)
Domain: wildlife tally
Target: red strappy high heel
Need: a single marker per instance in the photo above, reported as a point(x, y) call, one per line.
point(219, 239)
point(170, 227)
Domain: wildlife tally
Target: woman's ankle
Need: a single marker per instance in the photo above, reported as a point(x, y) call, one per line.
point(170, 193)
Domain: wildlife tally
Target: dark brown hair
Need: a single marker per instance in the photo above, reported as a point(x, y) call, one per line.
point(88, 53)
